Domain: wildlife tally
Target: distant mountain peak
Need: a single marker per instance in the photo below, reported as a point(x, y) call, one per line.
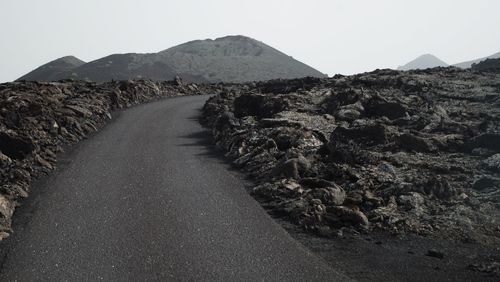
point(54, 70)
point(235, 38)
point(235, 58)
point(66, 60)
point(424, 62)
point(431, 61)
point(228, 46)
point(71, 60)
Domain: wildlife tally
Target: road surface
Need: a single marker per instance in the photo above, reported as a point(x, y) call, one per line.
point(147, 199)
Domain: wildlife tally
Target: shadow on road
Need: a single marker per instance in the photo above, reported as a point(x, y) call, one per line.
point(204, 139)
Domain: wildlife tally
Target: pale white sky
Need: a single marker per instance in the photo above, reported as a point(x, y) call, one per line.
point(334, 36)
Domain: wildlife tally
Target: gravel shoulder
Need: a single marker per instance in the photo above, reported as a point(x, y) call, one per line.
point(381, 256)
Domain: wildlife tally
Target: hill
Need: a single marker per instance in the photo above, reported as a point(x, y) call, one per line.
point(424, 62)
point(129, 66)
point(490, 65)
point(468, 64)
point(234, 59)
point(226, 59)
point(54, 70)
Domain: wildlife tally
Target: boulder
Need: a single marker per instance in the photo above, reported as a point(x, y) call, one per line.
point(354, 197)
point(489, 141)
point(261, 106)
point(80, 110)
point(378, 107)
point(15, 147)
point(412, 201)
point(226, 119)
point(292, 168)
point(329, 196)
point(6, 210)
point(12, 119)
point(492, 163)
point(313, 183)
point(42, 162)
point(441, 188)
point(414, 143)
point(350, 215)
point(281, 86)
point(370, 135)
point(348, 114)
point(4, 160)
point(486, 182)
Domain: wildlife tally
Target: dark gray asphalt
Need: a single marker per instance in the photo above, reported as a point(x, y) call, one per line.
point(145, 199)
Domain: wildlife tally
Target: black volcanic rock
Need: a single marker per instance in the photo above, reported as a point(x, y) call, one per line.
point(227, 59)
point(408, 152)
point(492, 65)
point(54, 70)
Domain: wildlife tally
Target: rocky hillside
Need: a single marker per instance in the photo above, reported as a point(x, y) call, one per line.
point(227, 59)
point(55, 70)
point(125, 66)
point(491, 65)
point(406, 152)
point(234, 59)
point(38, 120)
point(424, 62)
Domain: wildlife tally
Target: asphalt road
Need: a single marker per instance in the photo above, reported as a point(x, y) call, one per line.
point(147, 199)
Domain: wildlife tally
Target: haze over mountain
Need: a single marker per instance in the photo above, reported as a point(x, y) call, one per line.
point(424, 62)
point(228, 59)
point(431, 61)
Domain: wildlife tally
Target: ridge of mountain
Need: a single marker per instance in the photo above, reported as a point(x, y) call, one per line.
point(54, 70)
point(226, 59)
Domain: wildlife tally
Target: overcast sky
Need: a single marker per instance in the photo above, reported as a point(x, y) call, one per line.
point(333, 36)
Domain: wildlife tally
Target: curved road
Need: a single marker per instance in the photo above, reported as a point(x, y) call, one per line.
point(146, 199)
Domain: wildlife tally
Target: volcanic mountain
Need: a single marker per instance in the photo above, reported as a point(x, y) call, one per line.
point(54, 70)
point(227, 59)
point(431, 61)
point(424, 62)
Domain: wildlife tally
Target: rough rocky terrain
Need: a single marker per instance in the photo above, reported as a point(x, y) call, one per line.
point(488, 65)
point(227, 59)
point(38, 120)
point(469, 64)
point(413, 152)
point(403, 153)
